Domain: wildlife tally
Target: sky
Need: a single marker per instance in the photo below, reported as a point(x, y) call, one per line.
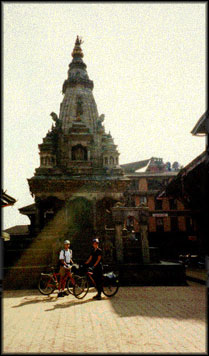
point(148, 64)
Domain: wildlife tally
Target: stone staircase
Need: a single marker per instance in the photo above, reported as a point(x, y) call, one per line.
point(42, 251)
point(37, 256)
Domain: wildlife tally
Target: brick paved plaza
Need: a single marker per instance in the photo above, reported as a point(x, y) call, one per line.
point(137, 319)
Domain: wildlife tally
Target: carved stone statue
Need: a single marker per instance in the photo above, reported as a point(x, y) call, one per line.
point(100, 120)
point(56, 119)
point(79, 154)
point(54, 116)
point(101, 117)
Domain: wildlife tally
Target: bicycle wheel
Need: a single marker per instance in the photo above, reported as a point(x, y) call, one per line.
point(69, 284)
point(46, 285)
point(110, 288)
point(81, 287)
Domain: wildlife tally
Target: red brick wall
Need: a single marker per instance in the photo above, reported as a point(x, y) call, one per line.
point(165, 204)
point(151, 203)
point(180, 206)
point(181, 223)
point(143, 184)
point(152, 224)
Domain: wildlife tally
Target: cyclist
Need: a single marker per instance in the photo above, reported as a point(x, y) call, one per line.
point(95, 261)
point(65, 259)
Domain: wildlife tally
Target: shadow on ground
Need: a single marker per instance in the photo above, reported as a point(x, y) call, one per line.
point(187, 302)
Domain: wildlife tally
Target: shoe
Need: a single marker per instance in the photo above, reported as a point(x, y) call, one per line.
point(60, 294)
point(65, 293)
point(98, 297)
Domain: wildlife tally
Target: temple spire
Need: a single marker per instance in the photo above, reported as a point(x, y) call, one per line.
point(77, 74)
point(77, 51)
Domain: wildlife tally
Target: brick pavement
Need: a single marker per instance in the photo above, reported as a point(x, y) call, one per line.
point(137, 319)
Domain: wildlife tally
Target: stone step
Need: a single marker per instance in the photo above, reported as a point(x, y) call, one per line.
point(22, 277)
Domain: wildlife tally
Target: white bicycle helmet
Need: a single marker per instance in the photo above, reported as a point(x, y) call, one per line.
point(66, 242)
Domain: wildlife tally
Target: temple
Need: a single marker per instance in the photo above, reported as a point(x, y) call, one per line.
point(80, 190)
point(77, 157)
point(79, 178)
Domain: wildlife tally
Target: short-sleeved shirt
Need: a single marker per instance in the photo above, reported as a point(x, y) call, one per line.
point(66, 255)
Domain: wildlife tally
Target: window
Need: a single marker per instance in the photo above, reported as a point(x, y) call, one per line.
point(134, 185)
point(111, 161)
point(159, 224)
point(173, 204)
point(174, 223)
point(189, 224)
point(79, 153)
point(143, 199)
point(154, 184)
point(130, 223)
point(158, 204)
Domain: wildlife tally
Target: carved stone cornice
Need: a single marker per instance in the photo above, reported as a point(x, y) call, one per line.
point(47, 185)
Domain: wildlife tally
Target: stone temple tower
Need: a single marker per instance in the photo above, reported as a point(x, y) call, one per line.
point(78, 145)
point(78, 159)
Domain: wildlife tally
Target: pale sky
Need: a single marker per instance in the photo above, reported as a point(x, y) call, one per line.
point(148, 64)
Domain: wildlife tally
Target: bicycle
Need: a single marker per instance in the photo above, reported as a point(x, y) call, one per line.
point(110, 284)
point(49, 282)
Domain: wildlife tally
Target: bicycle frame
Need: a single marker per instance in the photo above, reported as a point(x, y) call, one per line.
point(53, 281)
point(69, 275)
point(54, 276)
point(90, 275)
point(109, 289)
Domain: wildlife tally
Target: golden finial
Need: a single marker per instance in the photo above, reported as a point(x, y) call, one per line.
point(79, 40)
point(77, 51)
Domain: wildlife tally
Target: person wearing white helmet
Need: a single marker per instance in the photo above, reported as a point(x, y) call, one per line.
point(65, 258)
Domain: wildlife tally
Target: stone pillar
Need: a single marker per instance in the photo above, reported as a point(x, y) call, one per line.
point(94, 213)
point(70, 153)
point(37, 220)
point(119, 242)
point(145, 244)
point(144, 215)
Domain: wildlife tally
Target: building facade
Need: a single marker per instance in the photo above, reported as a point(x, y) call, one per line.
point(172, 227)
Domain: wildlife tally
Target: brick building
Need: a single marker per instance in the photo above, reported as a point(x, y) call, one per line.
point(170, 223)
point(191, 187)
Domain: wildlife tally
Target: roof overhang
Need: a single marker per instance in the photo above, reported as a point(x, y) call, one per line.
point(174, 187)
point(202, 126)
point(7, 200)
point(5, 236)
point(133, 166)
